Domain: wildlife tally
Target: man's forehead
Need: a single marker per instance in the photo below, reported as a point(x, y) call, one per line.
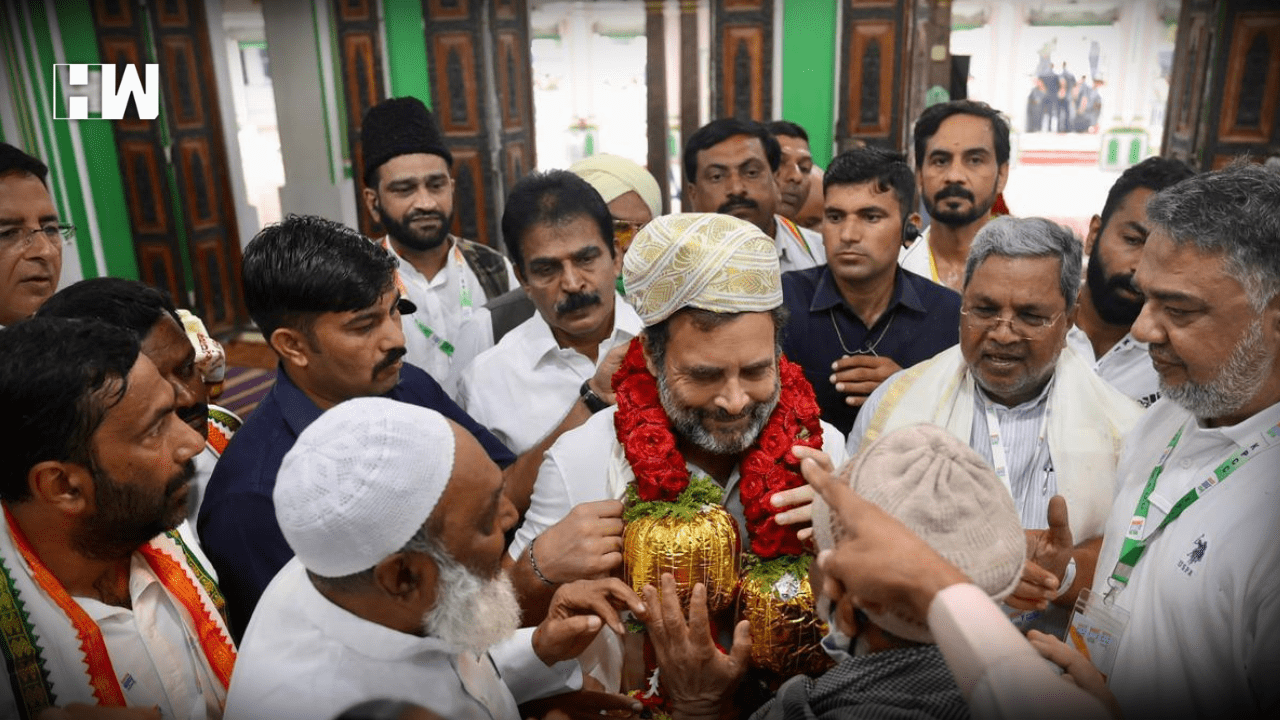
point(146, 395)
point(413, 166)
point(974, 131)
point(23, 195)
point(741, 147)
point(166, 338)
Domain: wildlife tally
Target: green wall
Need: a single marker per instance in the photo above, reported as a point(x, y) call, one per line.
point(406, 54)
point(808, 71)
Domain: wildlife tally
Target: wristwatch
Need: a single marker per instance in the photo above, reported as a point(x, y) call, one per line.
point(590, 399)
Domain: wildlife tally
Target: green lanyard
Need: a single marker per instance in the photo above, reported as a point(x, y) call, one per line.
point(1135, 545)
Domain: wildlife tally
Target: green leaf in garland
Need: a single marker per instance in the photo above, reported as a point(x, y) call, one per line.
point(701, 491)
point(769, 572)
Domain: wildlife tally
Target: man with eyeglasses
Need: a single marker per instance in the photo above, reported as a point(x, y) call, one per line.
point(1028, 404)
point(31, 238)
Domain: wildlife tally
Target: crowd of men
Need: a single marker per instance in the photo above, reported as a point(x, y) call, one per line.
point(1027, 454)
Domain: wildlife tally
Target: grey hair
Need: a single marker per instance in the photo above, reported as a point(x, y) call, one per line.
point(1233, 212)
point(1033, 237)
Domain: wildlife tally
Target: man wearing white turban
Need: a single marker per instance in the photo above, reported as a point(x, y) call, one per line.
point(396, 517)
point(708, 289)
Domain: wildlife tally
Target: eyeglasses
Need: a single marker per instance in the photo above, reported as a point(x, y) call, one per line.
point(624, 232)
point(21, 238)
point(1023, 324)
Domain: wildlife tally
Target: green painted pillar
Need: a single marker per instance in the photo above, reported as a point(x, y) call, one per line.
point(809, 71)
point(406, 56)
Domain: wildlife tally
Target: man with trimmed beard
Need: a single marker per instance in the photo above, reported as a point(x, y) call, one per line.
point(1108, 302)
point(325, 299)
point(1190, 558)
point(107, 605)
point(708, 290)
point(1048, 425)
point(962, 163)
point(409, 190)
point(396, 517)
point(729, 167)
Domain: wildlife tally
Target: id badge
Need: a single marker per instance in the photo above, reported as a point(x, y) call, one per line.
point(1096, 629)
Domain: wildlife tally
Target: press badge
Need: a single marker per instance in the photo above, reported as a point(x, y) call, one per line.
point(1096, 628)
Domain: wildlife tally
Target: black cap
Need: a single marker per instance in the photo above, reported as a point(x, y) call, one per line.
point(399, 126)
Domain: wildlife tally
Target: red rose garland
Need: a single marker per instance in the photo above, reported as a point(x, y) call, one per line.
point(768, 467)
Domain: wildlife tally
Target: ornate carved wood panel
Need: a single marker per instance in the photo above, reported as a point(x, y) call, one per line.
point(360, 47)
point(875, 52)
point(742, 59)
point(483, 100)
point(1225, 85)
point(175, 168)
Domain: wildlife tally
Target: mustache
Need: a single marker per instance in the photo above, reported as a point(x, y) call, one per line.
point(577, 301)
point(180, 480)
point(410, 217)
point(393, 355)
point(737, 202)
point(954, 190)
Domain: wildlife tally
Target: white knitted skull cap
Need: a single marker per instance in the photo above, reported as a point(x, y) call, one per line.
point(944, 492)
point(360, 481)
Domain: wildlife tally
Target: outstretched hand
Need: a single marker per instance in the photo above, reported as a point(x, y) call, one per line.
point(586, 544)
point(1048, 552)
point(696, 676)
point(1076, 668)
point(578, 611)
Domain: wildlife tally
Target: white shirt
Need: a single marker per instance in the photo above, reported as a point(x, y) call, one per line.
point(919, 258)
point(304, 658)
point(1203, 637)
point(1127, 366)
point(156, 657)
point(574, 470)
point(521, 388)
point(792, 251)
point(443, 303)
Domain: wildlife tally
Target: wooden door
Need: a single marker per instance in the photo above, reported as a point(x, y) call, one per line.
point(360, 51)
point(1225, 84)
point(884, 68)
point(175, 167)
point(742, 59)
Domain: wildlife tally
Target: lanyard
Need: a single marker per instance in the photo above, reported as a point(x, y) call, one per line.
point(998, 457)
point(1135, 544)
point(464, 301)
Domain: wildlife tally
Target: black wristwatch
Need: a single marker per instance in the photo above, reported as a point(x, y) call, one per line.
point(590, 399)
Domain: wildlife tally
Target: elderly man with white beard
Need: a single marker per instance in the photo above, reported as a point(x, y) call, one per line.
point(396, 517)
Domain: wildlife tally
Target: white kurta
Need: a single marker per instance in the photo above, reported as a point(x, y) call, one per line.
point(442, 306)
point(1203, 638)
point(304, 658)
point(575, 468)
point(522, 388)
point(1127, 365)
point(797, 251)
point(919, 258)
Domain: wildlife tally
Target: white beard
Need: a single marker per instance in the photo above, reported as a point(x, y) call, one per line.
point(471, 613)
point(1237, 382)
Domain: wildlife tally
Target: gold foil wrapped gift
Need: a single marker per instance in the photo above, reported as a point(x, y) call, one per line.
point(786, 633)
point(702, 549)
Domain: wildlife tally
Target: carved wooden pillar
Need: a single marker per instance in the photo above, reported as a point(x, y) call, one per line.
point(690, 78)
point(478, 54)
point(175, 167)
point(1210, 122)
point(742, 59)
point(360, 48)
point(878, 37)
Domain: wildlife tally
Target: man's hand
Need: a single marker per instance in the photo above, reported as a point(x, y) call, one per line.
point(602, 382)
point(586, 544)
point(857, 376)
point(578, 611)
point(1076, 667)
point(800, 500)
point(1048, 552)
point(880, 563)
point(696, 677)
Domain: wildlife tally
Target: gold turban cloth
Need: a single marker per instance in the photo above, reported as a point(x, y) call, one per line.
point(614, 176)
point(702, 260)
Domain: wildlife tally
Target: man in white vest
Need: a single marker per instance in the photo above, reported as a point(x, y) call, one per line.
point(1029, 405)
